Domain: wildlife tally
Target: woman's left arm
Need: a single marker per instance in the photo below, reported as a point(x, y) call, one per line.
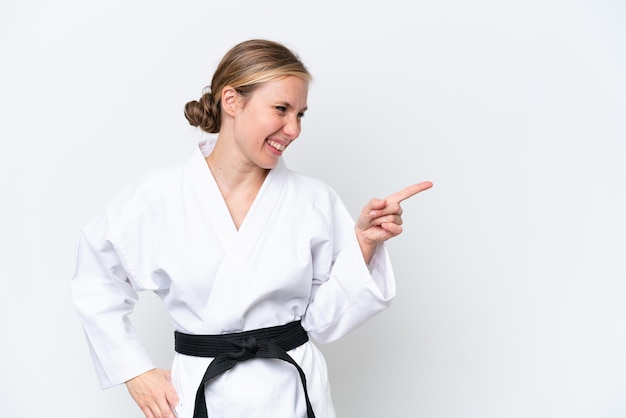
point(347, 291)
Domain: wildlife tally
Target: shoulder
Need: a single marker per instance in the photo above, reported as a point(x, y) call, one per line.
point(313, 200)
point(313, 186)
point(155, 184)
point(311, 191)
point(150, 191)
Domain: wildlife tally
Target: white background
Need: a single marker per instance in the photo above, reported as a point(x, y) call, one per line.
point(512, 269)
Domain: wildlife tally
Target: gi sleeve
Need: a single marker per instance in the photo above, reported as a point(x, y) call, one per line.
point(347, 292)
point(104, 296)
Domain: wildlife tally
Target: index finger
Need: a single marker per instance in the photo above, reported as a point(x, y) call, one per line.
point(409, 191)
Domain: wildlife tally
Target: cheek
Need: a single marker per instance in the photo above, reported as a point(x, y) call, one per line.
point(257, 128)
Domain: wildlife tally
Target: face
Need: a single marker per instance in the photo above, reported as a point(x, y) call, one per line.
point(269, 120)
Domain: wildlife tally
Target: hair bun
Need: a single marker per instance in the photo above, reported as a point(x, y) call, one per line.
point(203, 113)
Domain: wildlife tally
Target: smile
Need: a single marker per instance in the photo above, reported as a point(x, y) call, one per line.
point(274, 144)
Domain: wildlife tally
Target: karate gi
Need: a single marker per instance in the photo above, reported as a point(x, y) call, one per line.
point(294, 257)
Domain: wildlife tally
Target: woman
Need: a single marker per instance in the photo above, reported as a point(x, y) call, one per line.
point(249, 258)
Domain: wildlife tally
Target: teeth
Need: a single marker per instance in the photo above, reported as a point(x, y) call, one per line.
point(279, 147)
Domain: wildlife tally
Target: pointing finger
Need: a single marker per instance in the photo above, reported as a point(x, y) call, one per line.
point(409, 191)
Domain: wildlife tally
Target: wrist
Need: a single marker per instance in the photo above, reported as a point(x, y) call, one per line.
point(367, 247)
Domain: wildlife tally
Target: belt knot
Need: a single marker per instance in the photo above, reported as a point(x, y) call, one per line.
point(249, 347)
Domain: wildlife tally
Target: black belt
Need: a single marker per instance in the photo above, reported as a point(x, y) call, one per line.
point(228, 349)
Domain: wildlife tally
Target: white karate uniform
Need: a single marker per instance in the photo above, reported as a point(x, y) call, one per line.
point(294, 257)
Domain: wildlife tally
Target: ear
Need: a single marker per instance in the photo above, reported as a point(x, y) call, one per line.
point(230, 100)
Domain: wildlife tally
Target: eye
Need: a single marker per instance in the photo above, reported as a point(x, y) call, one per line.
point(281, 108)
point(300, 115)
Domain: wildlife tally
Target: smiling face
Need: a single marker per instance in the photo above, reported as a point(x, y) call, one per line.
point(268, 120)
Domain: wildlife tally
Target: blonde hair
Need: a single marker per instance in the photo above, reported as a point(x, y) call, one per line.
point(245, 67)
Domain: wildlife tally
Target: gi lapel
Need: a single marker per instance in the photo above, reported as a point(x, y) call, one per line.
point(209, 198)
point(222, 312)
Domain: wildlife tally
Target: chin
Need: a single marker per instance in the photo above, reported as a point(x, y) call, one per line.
point(268, 165)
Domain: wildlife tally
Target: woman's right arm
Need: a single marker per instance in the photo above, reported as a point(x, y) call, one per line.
point(104, 293)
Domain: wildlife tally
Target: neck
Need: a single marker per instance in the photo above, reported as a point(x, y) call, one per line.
point(231, 172)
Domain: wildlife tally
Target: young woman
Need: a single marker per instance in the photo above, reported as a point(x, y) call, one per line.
point(249, 258)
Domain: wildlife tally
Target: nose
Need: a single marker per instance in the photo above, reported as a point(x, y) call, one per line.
point(292, 127)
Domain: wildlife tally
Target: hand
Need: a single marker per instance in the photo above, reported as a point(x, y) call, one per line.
point(381, 219)
point(154, 393)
